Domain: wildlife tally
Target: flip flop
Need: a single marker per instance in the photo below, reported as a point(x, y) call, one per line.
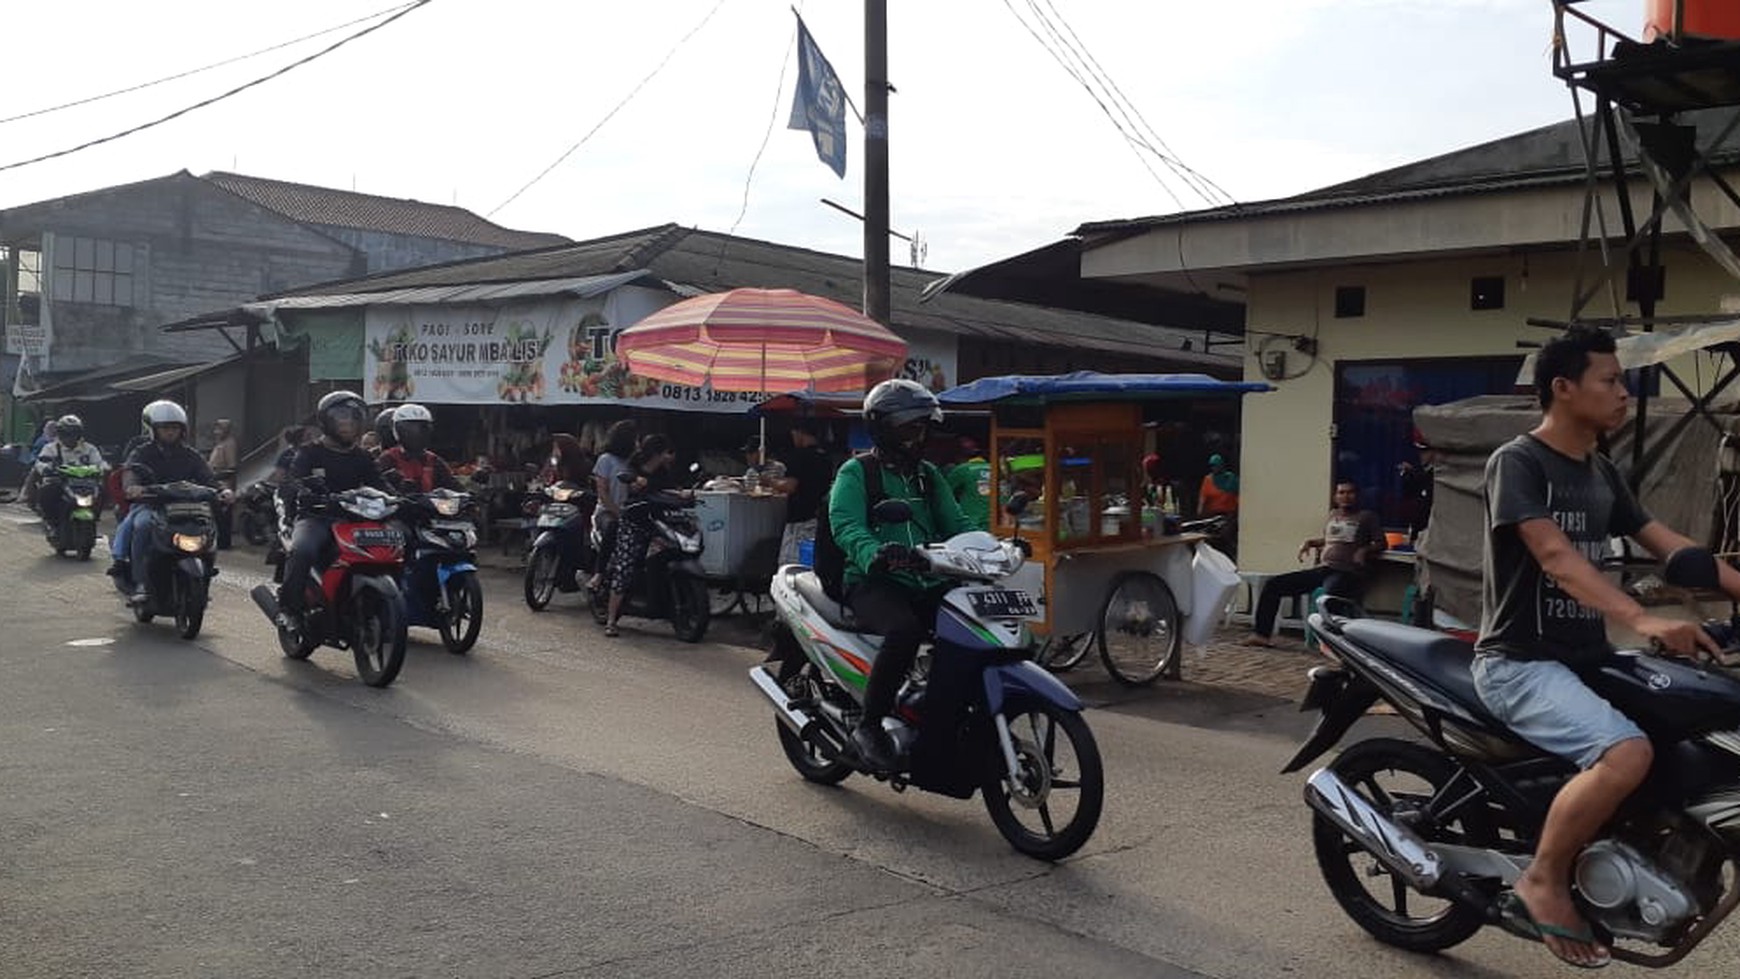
point(1514, 915)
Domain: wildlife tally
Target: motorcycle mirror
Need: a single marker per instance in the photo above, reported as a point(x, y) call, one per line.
point(1017, 504)
point(892, 511)
point(1692, 567)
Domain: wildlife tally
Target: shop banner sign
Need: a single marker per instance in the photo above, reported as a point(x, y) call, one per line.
point(552, 352)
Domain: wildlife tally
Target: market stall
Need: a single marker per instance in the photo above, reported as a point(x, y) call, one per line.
point(1108, 566)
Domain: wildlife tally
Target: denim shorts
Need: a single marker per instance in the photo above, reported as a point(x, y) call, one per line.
point(1551, 707)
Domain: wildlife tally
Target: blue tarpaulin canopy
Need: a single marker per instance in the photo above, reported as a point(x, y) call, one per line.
point(1094, 386)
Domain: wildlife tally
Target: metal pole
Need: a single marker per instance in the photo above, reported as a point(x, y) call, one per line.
point(877, 301)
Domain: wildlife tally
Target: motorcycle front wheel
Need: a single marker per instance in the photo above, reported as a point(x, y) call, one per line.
point(1400, 779)
point(690, 609)
point(84, 538)
point(541, 578)
point(1054, 806)
point(378, 640)
point(464, 618)
point(190, 600)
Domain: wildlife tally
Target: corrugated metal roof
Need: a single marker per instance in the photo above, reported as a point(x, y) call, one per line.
point(477, 292)
point(308, 204)
point(164, 379)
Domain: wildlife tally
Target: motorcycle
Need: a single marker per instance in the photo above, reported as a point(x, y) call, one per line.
point(976, 715)
point(259, 513)
point(80, 492)
point(1456, 821)
point(355, 602)
point(670, 585)
point(562, 548)
point(177, 577)
point(440, 575)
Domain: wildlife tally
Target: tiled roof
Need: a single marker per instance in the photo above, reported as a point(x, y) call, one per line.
point(307, 204)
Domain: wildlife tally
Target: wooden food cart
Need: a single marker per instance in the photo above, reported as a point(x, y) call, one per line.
point(1109, 571)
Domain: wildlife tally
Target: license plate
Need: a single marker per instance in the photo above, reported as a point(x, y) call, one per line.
point(1003, 603)
point(377, 537)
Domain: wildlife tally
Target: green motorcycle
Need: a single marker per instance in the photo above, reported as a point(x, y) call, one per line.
point(78, 492)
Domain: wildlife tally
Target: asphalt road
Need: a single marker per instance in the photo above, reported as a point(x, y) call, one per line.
point(558, 803)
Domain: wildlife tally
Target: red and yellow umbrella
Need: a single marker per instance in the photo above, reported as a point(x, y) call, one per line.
point(762, 340)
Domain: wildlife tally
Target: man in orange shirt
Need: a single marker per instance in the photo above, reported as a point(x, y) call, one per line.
point(1219, 495)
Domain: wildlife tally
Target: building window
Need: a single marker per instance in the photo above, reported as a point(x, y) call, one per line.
point(1374, 421)
point(1349, 301)
point(1487, 292)
point(93, 270)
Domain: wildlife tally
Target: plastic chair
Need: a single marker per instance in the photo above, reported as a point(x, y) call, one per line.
point(1310, 634)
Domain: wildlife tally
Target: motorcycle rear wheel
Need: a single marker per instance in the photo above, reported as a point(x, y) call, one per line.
point(690, 609)
point(256, 529)
point(541, 578)
point(378, 637)
point(805, 758)
point(1397, 778)
point(1044, 772)
point(464, 619)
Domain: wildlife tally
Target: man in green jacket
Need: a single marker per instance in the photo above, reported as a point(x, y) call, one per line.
point(970, 482)
point(884, 580)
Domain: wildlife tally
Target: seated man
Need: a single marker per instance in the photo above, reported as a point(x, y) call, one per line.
point(1352, 540)
point(881, 585)
point(336, 463)
point(69, 448)
point(167, 458)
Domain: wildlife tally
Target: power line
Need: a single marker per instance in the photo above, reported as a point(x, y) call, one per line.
point(341, 42)
point(778, 90)
point(1198, 180)
point(607, 116)
point(194, 71)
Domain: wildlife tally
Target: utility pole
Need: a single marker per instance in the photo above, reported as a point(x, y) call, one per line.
point(877, 301)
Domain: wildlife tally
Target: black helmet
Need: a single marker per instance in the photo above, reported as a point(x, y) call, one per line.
point(337, 406)
point(384, 428)
point(413, 426)
point(893, 405)
point(69, 429)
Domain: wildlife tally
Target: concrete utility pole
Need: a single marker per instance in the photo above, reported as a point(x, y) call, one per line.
point(877, 300)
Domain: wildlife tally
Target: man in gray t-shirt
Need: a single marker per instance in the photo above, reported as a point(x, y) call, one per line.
point(1552, 505)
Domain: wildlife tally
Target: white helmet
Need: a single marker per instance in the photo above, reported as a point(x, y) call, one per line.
point(413, 426)
point(160, 413)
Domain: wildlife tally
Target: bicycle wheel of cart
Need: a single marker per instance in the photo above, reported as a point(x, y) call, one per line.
point(1139, 629)
point(1059, 653)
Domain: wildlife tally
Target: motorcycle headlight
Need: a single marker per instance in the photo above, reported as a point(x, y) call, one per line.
point(446, 506)
point(562, 494)
point(191, 543)
point(84, 499)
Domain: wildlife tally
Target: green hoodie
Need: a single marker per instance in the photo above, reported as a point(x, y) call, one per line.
point(935, 517)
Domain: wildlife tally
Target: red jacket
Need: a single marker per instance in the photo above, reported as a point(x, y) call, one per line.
point(416, 475)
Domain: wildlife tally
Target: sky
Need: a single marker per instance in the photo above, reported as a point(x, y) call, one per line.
point(994, 148)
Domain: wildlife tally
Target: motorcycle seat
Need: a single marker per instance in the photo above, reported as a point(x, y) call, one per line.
point(1444, 660)
point(835, 614)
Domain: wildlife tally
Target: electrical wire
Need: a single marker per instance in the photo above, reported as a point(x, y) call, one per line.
point(341, 42)
point(778, 92)
point(195, 71)
point(608, 115)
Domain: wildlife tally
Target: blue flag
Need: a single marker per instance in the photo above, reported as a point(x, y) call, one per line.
point(820, 103)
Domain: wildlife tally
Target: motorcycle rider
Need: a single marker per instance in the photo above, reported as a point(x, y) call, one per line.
point(69, 448)
point(167, 458)
point(340, 464)
point(881, 582)
point(409, 466)
point(384, 438)
point(1552, 504)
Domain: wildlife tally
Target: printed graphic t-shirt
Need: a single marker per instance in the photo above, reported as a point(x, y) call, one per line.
point(1525, 614)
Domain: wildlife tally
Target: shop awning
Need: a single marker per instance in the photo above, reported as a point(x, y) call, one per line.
point(1665, 343)
point(1093, 386)
point(584, 287)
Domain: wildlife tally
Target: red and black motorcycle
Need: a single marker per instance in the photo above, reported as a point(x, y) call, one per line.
point(354, 602)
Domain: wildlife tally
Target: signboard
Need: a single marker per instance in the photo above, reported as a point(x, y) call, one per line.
point(930, 360)
point(30, 340)
point(554, 351)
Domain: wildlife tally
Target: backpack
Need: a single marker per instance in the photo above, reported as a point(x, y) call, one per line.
point(829, 560)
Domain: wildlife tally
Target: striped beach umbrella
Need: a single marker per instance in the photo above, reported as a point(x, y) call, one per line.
point(762, 340)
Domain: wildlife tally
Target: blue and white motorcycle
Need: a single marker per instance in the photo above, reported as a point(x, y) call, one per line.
point(977, 714)
point(440, 577)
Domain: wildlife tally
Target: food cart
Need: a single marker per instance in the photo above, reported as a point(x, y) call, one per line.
point(1108, 568)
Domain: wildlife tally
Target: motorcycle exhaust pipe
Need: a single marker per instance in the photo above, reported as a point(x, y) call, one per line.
point(264, 597)
point(796, 720)
point(1395, 846)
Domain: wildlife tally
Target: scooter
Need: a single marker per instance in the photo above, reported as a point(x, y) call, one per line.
point(975, 715)
point(440, 577)
point(562, 548)
point(670, 585)
point(355, 602)
point(183, 557)
point(1422, 842)
point(80, 492)
point(259, 512)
